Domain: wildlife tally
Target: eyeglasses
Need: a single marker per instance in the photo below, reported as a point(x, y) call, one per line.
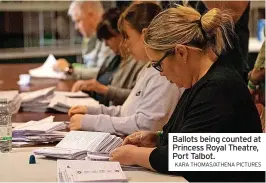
point(157, 64)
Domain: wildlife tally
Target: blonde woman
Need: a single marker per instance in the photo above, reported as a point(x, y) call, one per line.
point(181, 44)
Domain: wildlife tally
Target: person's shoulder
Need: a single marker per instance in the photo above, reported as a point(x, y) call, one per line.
point(220, 80)
point(224, 75)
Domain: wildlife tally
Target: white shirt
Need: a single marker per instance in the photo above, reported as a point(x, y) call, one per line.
point(148, 107)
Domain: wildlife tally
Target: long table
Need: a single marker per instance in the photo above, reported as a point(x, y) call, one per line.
point(9, 75)
point(15, 167)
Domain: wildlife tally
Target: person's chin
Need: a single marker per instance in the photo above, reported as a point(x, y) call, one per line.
point(178, 85)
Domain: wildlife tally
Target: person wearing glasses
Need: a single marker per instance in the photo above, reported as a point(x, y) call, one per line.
point(216, 99)
point(151, 101)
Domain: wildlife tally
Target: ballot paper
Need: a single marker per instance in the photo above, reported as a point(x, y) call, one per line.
point(40, 105)
point(77, 144)
point(37, 95)
point(37, 101)
point(43, 131)
point(89, 171)
point(47, 70)
point(13, 98)
point(62, 103)
point(78, 94)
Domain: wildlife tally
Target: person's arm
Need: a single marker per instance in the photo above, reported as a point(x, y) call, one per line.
point(210, 112)
point(236, 7)
point(258, 72)
point(85, 73)
point(104, 110)
point(117, 95)
point(141, 157)
point(154, 106)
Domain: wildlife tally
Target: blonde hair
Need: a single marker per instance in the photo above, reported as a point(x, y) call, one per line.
point(184, 25)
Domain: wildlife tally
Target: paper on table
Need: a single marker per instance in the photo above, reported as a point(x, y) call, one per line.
point(47, 70)
point(82, 141)
point(89, 171)
point(78, 143)
point(78, 94)
point(30, 123)
point(36, 95)
point(63, 104)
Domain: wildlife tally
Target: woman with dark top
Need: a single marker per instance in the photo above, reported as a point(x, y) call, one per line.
point(117, 77)
point(181, 42)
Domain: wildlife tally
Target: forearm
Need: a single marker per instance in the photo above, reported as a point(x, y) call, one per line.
point(85, 72)
point(117, 95)
point(102, 109)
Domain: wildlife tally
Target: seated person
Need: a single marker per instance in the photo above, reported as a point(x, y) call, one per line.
point(115, 81)
point(181, 44)
point(86, 15)
point(152, 99)
point(256, 84)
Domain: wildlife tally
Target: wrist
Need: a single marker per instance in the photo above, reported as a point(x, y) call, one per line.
point(251, 78)
point(159, 133)
point(134, 154)
point(102, 89)
point(252, 85)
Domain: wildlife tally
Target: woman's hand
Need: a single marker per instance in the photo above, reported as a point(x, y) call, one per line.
point(90, 85)
point(257, 75)
point(75, 122)
point(142, 139)
point(124, 155)
point(79, 109)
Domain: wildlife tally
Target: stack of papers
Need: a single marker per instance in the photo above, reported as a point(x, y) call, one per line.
point(78, 94)
point(43, 131)
point(89, 171)
point(62, 103)
point(13, 98)
point(47, 70)
point(77, 144)
point(37, 101)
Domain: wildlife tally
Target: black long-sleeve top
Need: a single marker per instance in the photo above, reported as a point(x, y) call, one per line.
point(218, 103)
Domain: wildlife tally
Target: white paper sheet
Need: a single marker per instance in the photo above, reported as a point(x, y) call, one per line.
point(36, 95)
point(63, 104)
point(89, 171)
point(78, 94)
point(47, 70)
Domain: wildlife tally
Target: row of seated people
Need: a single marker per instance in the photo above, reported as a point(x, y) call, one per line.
point(185, 81)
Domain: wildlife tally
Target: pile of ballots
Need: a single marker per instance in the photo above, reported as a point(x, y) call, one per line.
point(48, 99)
point(63, 103)
point(37, 101)
point(77, 145)
point(38, 132)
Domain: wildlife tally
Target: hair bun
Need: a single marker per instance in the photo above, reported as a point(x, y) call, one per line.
point(212, 20)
